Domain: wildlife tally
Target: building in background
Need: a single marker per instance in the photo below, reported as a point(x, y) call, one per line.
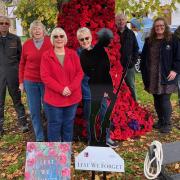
point(173, 18)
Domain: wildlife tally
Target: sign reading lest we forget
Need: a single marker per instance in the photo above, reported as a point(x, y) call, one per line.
point(99, 159)
point(48, 161)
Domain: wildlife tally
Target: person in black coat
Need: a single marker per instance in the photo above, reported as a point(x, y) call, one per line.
point(10, 52)
point(96, 66)
point(177, 34)
point(160, 64)
point(129, 51)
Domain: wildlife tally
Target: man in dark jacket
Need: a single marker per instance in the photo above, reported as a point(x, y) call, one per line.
point(177, 34)
point(10, 51)
point(129, 51)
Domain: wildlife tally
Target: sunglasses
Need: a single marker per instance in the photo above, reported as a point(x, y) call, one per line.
point(4, 23)
point(83, 39)
point(56, 36)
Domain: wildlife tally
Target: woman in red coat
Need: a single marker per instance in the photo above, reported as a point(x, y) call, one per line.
point(29, 73)
point(62, 74)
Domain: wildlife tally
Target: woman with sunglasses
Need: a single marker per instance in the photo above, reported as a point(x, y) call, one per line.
point(85, 39)
point(62, 74)
point(96, 66)
point(29, 74)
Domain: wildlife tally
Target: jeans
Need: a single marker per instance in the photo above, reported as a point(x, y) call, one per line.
point(163, 108)
point(60, 122)
point(130, 81)
point(35, 93)
point(105, 107)
point(87, 113)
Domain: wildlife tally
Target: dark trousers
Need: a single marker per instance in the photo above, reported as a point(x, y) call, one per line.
point(179, 88)
point(130, 81)
point(14, 92)
point(60, 122)
point(163, 108)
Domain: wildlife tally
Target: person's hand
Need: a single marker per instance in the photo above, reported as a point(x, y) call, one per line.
point(171, 75)
point(21, 87)
point(66, 91)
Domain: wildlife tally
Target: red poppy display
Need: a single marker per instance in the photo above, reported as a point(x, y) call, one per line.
point(129, 118)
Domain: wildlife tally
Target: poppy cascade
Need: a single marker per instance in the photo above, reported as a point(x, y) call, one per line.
point(128, 117)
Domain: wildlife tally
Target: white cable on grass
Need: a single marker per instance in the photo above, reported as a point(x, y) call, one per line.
point(150, 171)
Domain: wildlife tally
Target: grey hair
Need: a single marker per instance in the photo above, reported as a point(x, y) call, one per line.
point(36, 23)
point(5, 18)
point(58, 31)
point(83, 30)
point(120, 14)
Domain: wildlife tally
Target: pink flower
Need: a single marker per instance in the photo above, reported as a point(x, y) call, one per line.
point(49, 144)
point(64, 147)
point(39, 154)
point(66, 172)
point(63, 159)
point(52, 152)
point(31, 161)
point(27, 176)
point(31, 146)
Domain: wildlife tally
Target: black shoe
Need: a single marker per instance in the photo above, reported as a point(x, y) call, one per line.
point(25, 128)
point(165, 129)
point(157, 125)
point(111, 143)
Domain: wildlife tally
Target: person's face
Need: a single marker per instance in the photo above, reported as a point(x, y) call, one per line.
point(59, 40)
point(159, 27)
point(4, 25)
point(121, 22)
point(85, 40)
point(37, 32)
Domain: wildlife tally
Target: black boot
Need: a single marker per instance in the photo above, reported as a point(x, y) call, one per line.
point(166, 128)
point(158, 124)
point(23, 123)
point(1, 127)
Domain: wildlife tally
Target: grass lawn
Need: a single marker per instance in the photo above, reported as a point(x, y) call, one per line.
point(13, 145)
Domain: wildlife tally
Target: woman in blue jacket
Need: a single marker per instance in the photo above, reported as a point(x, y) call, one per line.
point(159, 66)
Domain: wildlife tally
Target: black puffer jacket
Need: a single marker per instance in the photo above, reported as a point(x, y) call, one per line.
point(169, 60)
point(10, 52)
point(129, 47)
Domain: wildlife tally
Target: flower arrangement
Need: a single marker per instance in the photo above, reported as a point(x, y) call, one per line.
point(129, 118)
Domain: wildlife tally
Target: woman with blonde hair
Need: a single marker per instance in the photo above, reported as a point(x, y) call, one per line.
point(29, 73)
point(62, 74)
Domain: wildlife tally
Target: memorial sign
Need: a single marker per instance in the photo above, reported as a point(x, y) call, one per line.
point(99, 159)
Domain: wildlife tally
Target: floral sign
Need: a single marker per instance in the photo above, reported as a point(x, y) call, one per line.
point(48, 161)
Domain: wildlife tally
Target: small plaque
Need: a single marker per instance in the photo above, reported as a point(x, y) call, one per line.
point(99, 159)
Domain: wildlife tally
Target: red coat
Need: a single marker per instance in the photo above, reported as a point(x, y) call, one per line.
point(29, 67)
point(56, 77)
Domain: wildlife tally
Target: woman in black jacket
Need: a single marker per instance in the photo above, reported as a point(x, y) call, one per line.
point(159, 66)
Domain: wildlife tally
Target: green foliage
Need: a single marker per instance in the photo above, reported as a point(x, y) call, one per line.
point(44, 10)
point(10, 139)
point(142, 7)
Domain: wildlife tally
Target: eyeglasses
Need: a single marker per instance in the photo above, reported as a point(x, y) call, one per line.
point(160, 25)
point(83, 39)
point(4, 23)
point(60, 36)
